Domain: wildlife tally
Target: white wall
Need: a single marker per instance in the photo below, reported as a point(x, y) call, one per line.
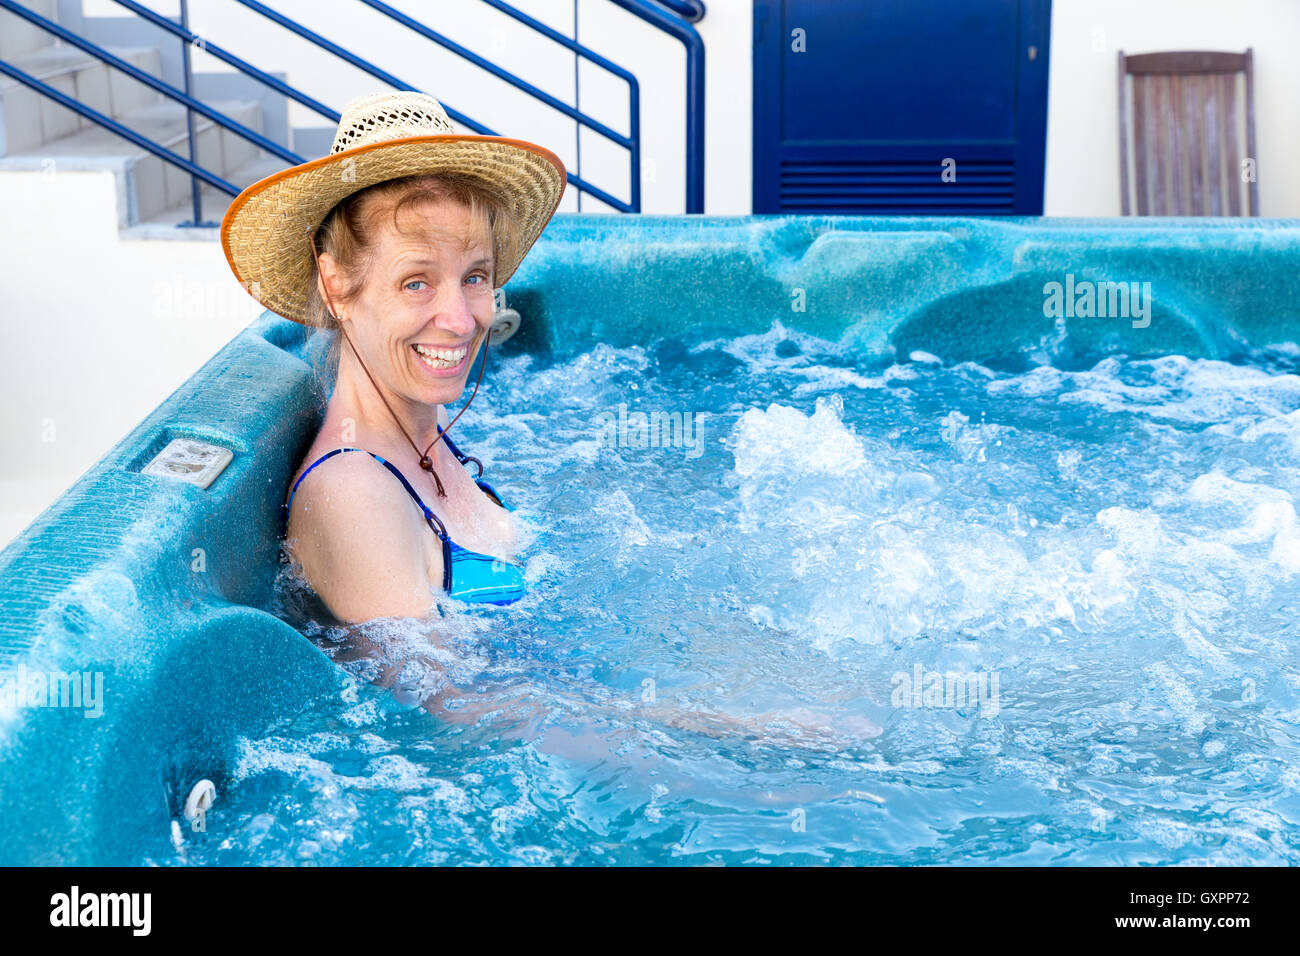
point(1083, 111)
point(96, 329)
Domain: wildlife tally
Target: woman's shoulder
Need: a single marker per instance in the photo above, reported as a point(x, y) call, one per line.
point(346, 477)
point(346, 500)
point(352, 529)
point(324, 461)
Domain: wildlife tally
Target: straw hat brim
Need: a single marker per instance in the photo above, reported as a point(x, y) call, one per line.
point(264, 232)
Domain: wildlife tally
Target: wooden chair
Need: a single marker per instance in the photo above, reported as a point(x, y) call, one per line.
point(1186, 119)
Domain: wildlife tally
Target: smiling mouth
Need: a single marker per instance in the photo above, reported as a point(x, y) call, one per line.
point(440, 359)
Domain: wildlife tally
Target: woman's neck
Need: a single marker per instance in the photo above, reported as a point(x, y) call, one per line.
point(356, 397)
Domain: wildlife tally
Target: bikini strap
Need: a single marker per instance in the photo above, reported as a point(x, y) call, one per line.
point(465, 459)
point(461, 457)
point(430, 518)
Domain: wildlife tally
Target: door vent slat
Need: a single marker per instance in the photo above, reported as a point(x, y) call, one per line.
point(986, 187)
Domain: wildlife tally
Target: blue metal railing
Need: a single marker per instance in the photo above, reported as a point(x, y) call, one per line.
point(135, 73)
point(677, 27)
point(631, 143)
point(243, 66)
point(672, 23)
point(110, 124)
point(692, 11)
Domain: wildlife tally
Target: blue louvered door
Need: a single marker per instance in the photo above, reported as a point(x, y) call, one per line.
point(862, 106)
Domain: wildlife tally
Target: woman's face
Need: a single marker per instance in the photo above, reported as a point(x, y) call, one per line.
point(426, 302)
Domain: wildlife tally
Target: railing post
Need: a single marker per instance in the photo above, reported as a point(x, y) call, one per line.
point(672, 24)
point(195, 191)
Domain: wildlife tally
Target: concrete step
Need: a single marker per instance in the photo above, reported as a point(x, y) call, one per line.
point(232, 85)
point(214, 203)
point(18, 36)
point(151, 185)
point(28, 119)
point(313, 142)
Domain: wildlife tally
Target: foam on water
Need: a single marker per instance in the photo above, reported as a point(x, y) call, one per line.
point(715, 658)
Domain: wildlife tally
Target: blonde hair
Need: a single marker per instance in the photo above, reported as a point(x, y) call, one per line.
point(350, 231)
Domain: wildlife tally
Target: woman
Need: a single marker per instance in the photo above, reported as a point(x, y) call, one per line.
point(396, 240)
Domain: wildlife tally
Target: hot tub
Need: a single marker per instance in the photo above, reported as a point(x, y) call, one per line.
point(925, 441)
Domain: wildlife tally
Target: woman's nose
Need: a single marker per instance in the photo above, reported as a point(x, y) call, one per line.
point(454, 313)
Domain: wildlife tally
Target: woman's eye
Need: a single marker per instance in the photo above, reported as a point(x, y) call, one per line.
point(479, 276)
point(414, 282)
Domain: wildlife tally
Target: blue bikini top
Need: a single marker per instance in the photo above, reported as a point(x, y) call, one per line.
point(466, 575)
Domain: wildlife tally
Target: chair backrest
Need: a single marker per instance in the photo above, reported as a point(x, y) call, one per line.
point(1187, 117)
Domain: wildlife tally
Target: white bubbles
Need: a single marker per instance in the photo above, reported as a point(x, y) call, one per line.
point(778, 347)
point(1067, 463)
point(1172, 388)
point(771, 441)
point(971, 441)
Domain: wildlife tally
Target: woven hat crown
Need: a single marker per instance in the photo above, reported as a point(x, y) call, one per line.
point(383, 116)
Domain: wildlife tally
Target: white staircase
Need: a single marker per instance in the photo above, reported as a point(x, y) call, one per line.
point(154, 195)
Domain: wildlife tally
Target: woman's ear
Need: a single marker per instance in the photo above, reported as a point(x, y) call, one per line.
point(329, 282)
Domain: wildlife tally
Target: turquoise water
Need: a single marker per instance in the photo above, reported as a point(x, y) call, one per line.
point(710, 666)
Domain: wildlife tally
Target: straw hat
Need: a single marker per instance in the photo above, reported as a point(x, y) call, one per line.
point(381, 137)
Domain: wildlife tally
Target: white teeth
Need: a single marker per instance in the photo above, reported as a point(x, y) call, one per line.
point(441, 358)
